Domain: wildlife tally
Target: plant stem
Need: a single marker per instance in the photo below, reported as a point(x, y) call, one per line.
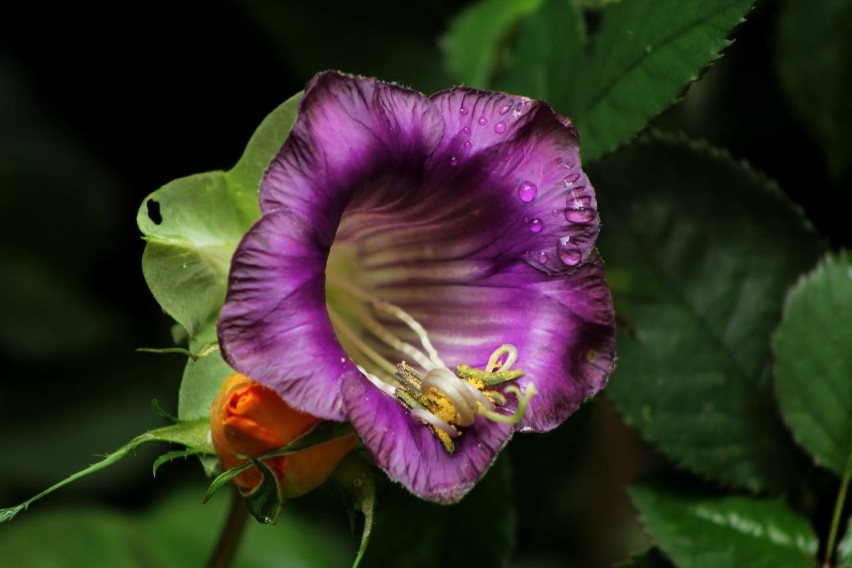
point(838, 510)
point(232, 532)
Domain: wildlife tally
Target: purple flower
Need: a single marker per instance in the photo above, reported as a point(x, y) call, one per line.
point(454, 233)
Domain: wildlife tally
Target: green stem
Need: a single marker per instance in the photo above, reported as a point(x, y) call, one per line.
point(838, 510)
point(229, 539)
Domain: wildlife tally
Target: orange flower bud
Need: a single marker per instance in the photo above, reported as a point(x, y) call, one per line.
point(249, 419)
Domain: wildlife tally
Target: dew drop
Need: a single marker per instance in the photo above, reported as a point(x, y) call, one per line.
point(580, 215)
point(591, 356)
point(454, 161)
point(543, 257)
point(500, 127)
point(466, 130)
point(535, 225)
point(483, 121)
point(463, 110)
point(527, 191)
point(556, 212)
point(504, 109)
point(467, 145)
point(569, 252)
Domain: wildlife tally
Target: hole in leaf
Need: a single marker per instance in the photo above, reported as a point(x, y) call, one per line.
point(154, 212)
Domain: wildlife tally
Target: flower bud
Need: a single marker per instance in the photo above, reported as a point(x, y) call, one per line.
point(248, 419)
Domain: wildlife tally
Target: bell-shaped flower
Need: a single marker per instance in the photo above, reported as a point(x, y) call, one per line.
point(424, 267)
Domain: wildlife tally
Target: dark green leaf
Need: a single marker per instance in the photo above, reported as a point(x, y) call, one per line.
point(546, 61)
point(474, 39)
point(170, 456)
point(813, 363)
point(814, 61)
point(641, 60)
point(700, 251)
point(479, 531)
point(701, 530)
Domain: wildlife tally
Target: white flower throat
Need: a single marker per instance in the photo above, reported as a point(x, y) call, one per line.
point(446, 401)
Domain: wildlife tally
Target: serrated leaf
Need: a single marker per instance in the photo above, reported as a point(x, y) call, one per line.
point(546, 60)
point(700, 251)
point(702, 530)
point(192, 434)
point(472, 41)
point(814, 62)
point(813, 363)
point(642, 58)
point(478, 531)
point(171, 456)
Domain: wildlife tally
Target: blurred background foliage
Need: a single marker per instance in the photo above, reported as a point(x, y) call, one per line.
point(94, 116)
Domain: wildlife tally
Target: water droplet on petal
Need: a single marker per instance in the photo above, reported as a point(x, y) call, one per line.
point(504, 109)
point(527, 191)
point(454, 161)
point(467, 145)
point(569, 252)
point(535, 225)
point(543, 257)
point(463, 110)
point(500, 127)
point(556, 212)
point(466, 130)
point(483, 121)
point(579, 209)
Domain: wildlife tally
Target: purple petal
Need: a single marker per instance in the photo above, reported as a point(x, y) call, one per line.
point(409, 452)
point(274, 326)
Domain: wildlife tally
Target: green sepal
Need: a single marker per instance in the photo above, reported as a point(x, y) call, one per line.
point(169, 456)
point(192, 434)
point(355, 477)
point(322, 433)
point(264, 501)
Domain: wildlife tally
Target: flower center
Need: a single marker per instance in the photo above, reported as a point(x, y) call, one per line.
point(446, 401)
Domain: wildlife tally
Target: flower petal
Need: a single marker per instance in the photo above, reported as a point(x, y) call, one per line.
point(274, 326)
point(410, 453)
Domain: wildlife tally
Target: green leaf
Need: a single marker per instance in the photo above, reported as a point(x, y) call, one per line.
point(192, 434)
point(813, 363)
point(814, 59)
point(649, 559)
point(641, 60)
point(478, 531)
point(701, 530)
point(473, 41)
point(203, 378)
point(700, 252)
point(192, 226)
point(545, 63)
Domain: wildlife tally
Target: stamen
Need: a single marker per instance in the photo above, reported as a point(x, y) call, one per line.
point(494, 365)
point(359, 343)
point(446, 383)
point(399, 313)
point(523, 402)
point(383, 386)
point(382, 333)
point(426, 416)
